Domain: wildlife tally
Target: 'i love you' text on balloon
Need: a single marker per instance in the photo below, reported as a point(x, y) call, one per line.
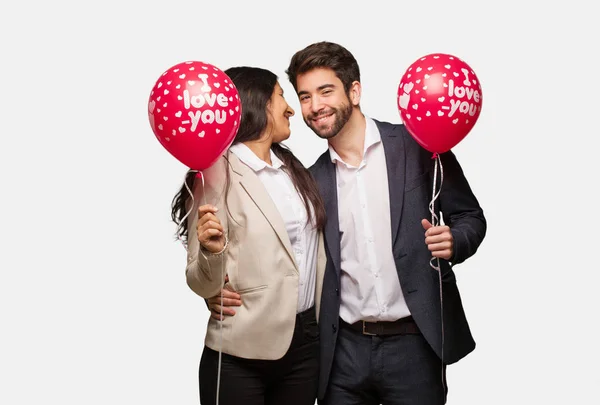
point(194, 110)
point(439, 101)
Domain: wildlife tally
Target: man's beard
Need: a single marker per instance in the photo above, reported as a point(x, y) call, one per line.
point(341, 114)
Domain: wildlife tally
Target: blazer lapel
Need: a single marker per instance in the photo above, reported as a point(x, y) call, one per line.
point(395, 156)
point(328, 189)
point(321, 263)
point(257, 192)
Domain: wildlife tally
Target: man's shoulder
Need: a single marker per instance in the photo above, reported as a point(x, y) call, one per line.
point(390, 129)
point(399, 131)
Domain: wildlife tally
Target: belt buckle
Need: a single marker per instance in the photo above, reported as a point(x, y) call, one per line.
point(364, 329)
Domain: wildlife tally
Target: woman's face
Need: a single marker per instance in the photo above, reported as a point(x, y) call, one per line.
point(279, 113)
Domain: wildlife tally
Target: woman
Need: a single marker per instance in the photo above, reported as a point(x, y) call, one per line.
point(255, 226)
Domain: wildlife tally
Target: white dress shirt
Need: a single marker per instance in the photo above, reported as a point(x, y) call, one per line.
point(370, 288)
point(302, 233)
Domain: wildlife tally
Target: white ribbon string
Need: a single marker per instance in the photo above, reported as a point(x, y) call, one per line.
point(201, 176)
point(435, 222)
point(191, 194)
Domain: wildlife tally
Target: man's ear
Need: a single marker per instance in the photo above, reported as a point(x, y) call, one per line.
point(355, 93)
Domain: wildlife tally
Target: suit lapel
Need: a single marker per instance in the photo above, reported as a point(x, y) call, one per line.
point(328, 189)
point(257, 192)
point(395, 157)
point(321, 263)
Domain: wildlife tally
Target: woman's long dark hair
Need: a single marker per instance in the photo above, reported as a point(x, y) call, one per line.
point(255, 87)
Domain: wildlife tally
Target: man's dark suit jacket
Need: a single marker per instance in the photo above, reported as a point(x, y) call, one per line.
point(410, 178)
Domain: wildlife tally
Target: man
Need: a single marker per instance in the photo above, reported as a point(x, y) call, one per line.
point(381, 314)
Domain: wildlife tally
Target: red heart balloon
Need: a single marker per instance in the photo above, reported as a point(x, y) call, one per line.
point(439, 101)
point(194, 110)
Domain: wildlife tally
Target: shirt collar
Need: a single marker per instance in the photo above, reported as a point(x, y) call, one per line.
point(372, 137)
point(245, 154)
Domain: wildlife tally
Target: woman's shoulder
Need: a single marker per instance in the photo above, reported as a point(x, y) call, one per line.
point(217, 171)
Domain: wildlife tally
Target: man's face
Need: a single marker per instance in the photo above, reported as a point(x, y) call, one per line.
point(325, 104)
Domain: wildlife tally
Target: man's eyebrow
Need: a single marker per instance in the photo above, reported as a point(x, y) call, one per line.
point(320, 88)
point(325, 86)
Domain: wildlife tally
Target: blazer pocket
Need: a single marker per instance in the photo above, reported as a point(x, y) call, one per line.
point(416, 182)
point(251, 289)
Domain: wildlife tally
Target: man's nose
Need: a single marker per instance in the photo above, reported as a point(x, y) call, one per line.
point(315, 104)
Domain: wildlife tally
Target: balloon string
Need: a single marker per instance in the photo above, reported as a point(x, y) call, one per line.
point(200, 175)
point(435, 222)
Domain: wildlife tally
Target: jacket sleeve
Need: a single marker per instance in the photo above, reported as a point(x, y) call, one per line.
point(461, 210)
point(205, 271)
